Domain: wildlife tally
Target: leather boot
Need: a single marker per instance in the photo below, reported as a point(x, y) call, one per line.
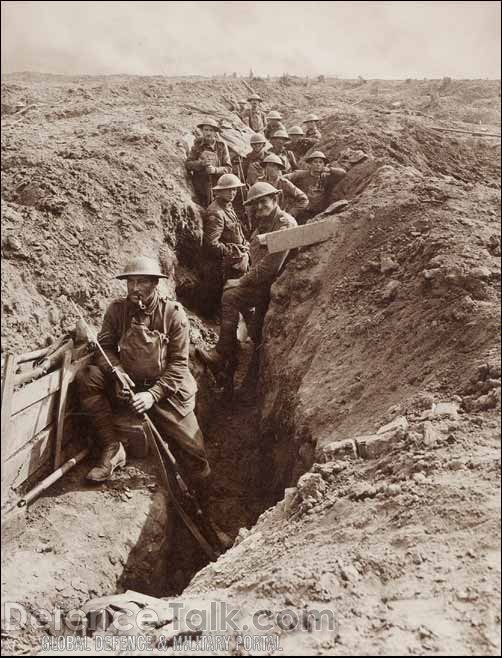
point(112, 457)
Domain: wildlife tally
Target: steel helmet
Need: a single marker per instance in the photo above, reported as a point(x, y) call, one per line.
point(272, 158)
point(311, 117)
point(274, 115)
point(227, 182)
point(280, 134)
point(259, 190)
point(258, 138)
point(296, 130)
point(209, 122)
point(316, 154)
point(255, 97)
point(141, 266)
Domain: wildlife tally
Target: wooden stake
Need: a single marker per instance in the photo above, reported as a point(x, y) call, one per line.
point(66, 373)
point(7, 394)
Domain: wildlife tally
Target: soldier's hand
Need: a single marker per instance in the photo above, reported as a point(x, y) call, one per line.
point(231, 283)
point(120, 391)
point(141, 402)
point(210, 169)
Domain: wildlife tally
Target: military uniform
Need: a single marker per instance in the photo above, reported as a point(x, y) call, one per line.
point(255, 119)
point(289, 160)
point(313, 132)
point(317, 189)
point(301, 145)
point(272, 128)
point(252, 166)
point(202, 155)
point(152, 347)
point(253, 289)
point(292, 200)
point(226, 248)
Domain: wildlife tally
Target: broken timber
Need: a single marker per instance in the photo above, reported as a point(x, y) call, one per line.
point(30, 418)
point(465, 132)
point(298, 236)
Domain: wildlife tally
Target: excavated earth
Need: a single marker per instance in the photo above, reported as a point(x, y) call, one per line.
point(392, 326)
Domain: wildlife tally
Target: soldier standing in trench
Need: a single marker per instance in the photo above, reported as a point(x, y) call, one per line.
point(254, 117)
point(279, 140)
point(208, 158)
point(145, 335)
point(299, 142)
point(274, 123)
point(253, 289)
point(292, 199)
point(311, 128)
point(225, 246)
point(252, 164)
point(317, 182)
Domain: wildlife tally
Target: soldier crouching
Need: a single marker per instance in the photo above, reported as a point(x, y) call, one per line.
point(146, 336)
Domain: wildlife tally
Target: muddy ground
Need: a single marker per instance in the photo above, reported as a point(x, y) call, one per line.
point(397, 317)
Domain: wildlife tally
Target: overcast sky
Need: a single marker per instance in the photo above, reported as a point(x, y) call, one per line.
point(372, 39)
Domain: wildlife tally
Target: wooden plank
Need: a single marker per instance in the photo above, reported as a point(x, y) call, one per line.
point(9, 373)
point(39, 389)
point(36, 391)
point(465, 132)
point(66, 373)
point(299, 236)
point(19, 467)
point(33, 356)
point(28, 423)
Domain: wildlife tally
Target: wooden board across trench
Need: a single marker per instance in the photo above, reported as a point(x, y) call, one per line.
point(298, 236)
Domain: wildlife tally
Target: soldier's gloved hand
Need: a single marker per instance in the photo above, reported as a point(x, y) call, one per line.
point(120, 392)
point(141, 402)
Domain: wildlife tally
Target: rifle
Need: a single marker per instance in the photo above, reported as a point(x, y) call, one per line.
point(249, 226)
point(158, 442)
point(120, 377)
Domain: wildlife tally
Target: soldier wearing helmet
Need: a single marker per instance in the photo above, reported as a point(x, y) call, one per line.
point(145, 335)
point(208, 159)
point(274, 123)
point(317, 182)
point(299, 142)
point(254, 117)
point(291, 199)
point(279, 139)
point(225, 246)
point(253, 289)
point(295, 133)
point(251, 165)
point(311, 128)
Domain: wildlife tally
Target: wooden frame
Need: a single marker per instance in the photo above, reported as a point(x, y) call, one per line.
point(33, 420)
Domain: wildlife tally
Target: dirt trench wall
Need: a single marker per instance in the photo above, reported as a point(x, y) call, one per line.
point(396, 311)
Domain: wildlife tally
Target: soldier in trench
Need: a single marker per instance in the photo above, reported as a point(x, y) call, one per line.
point(292, 199)
point(274, 123)
point(254, 117)
point(252, 164)
point(145, 335)
point(279, 140)
point(317, 182)
point(312, 131)
point(253, 289)
point(208, 159)
point(299, 142)
point(225, 246)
